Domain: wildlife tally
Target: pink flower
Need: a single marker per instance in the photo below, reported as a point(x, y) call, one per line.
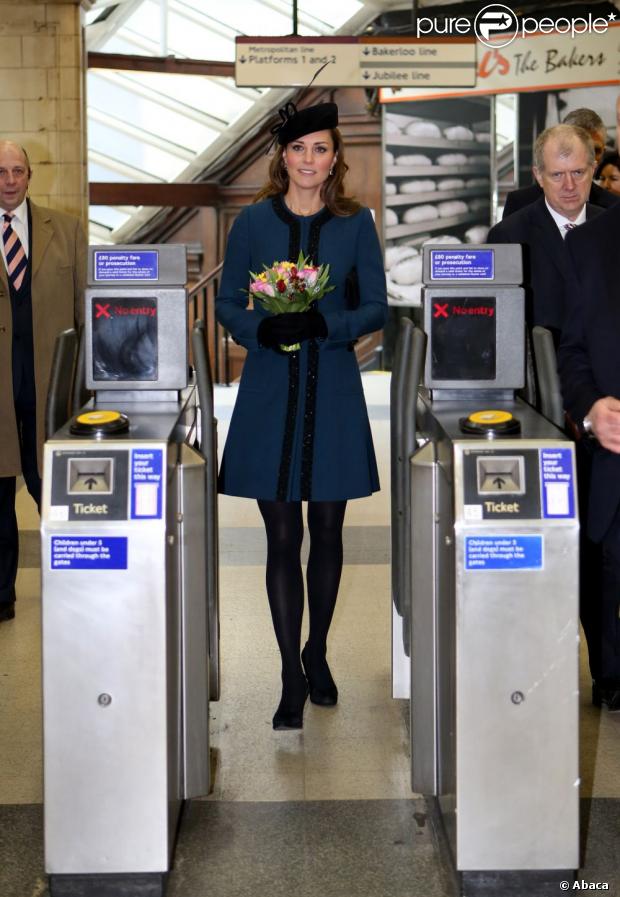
point(310, 275)
point(259, 286)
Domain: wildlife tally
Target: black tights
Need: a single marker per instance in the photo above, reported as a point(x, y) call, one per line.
point(285, 585)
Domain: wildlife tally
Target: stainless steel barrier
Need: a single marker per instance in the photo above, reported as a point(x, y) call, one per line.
point(57, 409)
point(406, 377)
point(547, 377)
point(490, 568)
point(208, 448)
point(129, 583)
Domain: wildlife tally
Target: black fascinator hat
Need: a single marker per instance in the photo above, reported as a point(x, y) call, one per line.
point(295, 124)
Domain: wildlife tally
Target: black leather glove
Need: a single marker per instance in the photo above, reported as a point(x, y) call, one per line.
point(290, 328)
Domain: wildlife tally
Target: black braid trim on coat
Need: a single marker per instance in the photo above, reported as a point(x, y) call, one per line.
point(307, 448)
point(286, 455)
point(294, 228)
point(315, 232)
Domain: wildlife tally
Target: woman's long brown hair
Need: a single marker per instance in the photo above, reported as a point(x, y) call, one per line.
point(332, 190)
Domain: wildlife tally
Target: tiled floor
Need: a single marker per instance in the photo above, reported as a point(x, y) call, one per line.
point(327, 811)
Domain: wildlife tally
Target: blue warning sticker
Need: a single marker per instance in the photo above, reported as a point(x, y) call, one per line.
point(556, 476)
point(89, 553)
point(462, 264)
point(505, 552)
point(117, 264)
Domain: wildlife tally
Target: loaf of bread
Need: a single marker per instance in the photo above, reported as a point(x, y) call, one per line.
point(414, 159)
point(451, 159)
point(420, 185)
point(407, 271)
point(452, 207)
point(423, 129)
point(442, 238)
point(458, 132)
point(424, 212)
point(477, 234)
point(395, 254)
point(450, 184)
point(404, 294)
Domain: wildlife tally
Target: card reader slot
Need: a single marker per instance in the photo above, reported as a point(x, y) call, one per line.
point(500, 474)
point(86, 476)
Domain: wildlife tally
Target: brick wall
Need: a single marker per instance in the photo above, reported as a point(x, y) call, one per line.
point(42, 89)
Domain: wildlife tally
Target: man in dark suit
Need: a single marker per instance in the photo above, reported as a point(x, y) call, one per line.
point(594, 125)
point(563, 168)
point(42, 279)
point(590, 377)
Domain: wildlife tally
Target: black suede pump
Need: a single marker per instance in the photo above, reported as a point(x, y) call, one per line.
point(290, 712)
point(323, 689)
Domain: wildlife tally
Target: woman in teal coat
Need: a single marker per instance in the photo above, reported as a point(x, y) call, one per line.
point(299, 430)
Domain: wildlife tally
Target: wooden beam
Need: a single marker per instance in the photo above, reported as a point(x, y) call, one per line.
point(168, 64)
point(102, 193)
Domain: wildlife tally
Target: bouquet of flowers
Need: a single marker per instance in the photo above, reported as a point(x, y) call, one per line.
point(290, 287)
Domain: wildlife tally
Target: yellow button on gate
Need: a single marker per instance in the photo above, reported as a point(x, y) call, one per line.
point(99, 423)
point(490, 417)
point(96, 418)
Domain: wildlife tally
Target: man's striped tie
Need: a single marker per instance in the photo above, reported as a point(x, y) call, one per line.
point(16, 261)
point(569, 226)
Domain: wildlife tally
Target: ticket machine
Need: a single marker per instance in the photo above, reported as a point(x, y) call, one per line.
point(125, 608)
point(492, 609)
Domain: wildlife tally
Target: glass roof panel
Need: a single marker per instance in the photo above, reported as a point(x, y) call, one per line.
point(97, 171)
point(155, 163)
point(116, 97)
point(244, 16)
point(332, 14)
point(198, 42)
point(154, 126)
point(217, 98)
point(108, 216)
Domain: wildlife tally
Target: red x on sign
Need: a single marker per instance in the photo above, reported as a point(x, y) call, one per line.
point(441, 311)
point(102, 310)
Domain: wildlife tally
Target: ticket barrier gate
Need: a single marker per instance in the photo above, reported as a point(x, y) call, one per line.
point(129, 611)
point(493, 605)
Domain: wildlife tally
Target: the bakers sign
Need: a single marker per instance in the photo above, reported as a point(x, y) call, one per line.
point(540, 61)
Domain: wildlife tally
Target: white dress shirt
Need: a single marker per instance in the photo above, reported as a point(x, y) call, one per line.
point(561, 220)
point(19, 225)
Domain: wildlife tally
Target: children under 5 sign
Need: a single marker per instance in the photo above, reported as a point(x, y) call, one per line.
point(89, 553)
point(504, 552)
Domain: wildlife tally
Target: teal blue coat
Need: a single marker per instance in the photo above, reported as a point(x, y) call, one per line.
point(299, 428)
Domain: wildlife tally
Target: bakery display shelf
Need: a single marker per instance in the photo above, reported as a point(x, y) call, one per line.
point(418, 143)
point(411, 199)
point(443, 224)
point(412, 171)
